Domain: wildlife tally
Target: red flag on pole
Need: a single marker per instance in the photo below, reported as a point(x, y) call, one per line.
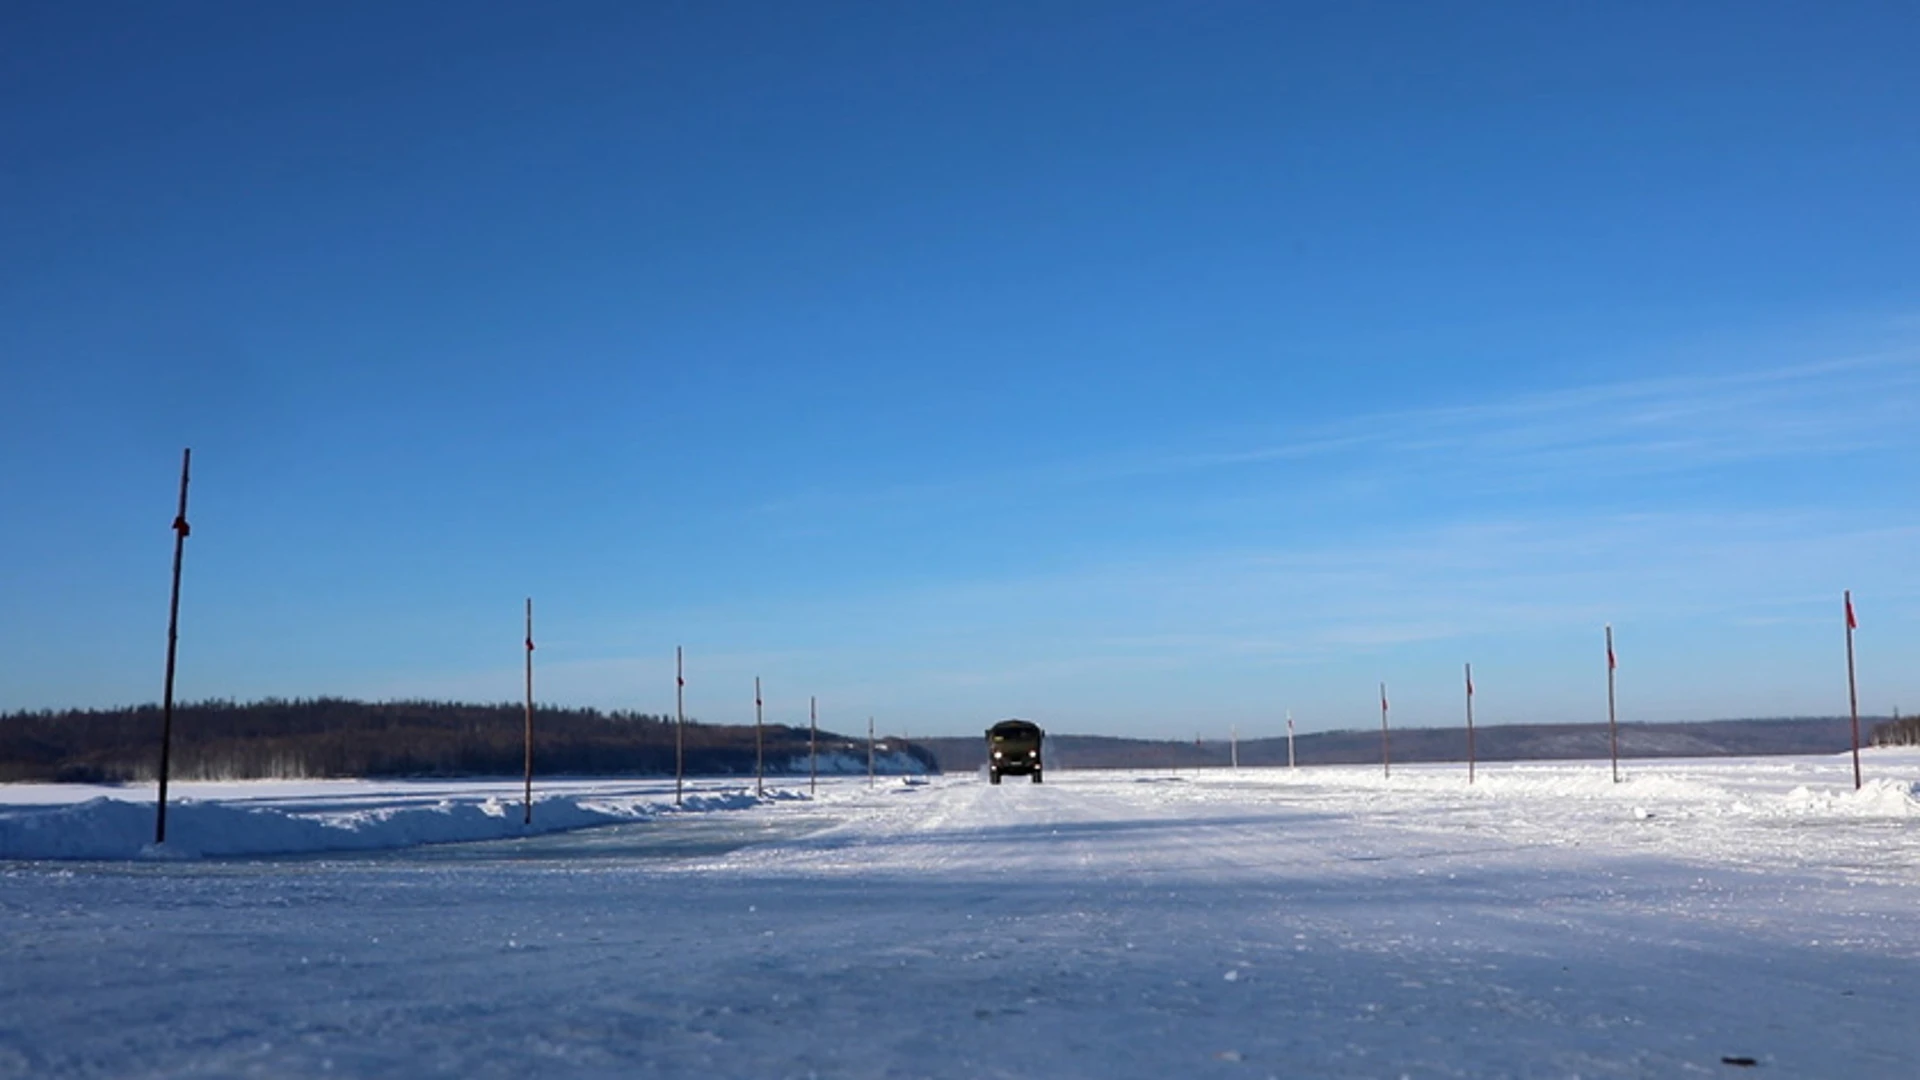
point(1853, 689)
point(1611, 662)
point(1386, 750)
point(1469, 681)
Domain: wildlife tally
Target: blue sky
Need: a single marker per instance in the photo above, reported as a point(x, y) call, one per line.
point(1140, 368)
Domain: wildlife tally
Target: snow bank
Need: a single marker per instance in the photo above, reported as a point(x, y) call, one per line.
point(1876, 798)
point(109, 828)
point(1810, 787)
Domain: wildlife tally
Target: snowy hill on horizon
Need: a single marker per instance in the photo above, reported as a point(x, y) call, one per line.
point(1496, 742)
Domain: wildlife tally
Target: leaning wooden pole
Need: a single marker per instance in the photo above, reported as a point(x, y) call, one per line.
point(528, 800)
point(813, 746)
point(679, 725)
point(1613, 728)
point(1853, 693)
point(1386, 748)
point(1470, 756)
point(759, 743)
point(180, 531)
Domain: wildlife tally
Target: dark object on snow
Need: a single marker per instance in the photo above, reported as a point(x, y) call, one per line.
point(1013, 746)
point(1744, 1062)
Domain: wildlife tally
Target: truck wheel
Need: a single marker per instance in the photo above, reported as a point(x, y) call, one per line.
point(993, 776)
point(1036, 776)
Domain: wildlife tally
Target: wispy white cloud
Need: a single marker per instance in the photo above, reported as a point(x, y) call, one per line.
point(1668, 424)
point(1672, 424)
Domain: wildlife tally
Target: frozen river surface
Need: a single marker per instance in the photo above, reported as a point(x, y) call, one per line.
point(1544, 922)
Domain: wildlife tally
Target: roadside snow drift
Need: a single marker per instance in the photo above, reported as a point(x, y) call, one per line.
point(269, 818)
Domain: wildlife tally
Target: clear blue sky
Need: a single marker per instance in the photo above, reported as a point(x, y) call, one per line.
point(1140, 368)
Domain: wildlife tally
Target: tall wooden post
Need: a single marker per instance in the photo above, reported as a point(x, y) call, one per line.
point(1853, 694)
point(813, 746)
point(869, 751)
point(1233, 746)
point(1470, 723)
point(528, 819)
point(1290, 758)
point(1613, 728)
point(1386, 749)
point(759, 743)
point(180, 531)
point(679, 725)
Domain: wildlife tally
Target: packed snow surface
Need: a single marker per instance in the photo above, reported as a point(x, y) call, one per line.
point(1544, 921)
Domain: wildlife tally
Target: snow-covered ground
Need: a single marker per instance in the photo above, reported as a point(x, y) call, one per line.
point(1325, 922)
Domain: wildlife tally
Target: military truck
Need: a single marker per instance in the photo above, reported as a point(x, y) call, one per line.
point(1013, 747)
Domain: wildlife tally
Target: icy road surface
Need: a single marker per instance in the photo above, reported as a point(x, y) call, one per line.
point(1325, 922)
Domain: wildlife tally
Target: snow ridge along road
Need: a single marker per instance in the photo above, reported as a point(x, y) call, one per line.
point(1324, 922)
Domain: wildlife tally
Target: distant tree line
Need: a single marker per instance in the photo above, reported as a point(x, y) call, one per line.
point(337, 737)
point(1898, 732)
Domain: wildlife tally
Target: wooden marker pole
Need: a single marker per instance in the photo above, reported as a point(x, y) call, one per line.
point(1469, 723)
point(1613, 728)
point(528, 819)
point(1853, 695)
point(1386, 748)
point(869, 751)
point(180, 531)
point(1233, 746)
point(759, 743)
point(1290, 758)
point(679, 725)
point(813, 746)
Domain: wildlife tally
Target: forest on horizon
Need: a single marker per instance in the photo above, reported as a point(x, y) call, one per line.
point(339, 737)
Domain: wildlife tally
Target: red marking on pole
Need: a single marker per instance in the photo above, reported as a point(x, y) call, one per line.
point(1386, 747)
point(1470, 753)
point(1613, 728)
point(1853, 692)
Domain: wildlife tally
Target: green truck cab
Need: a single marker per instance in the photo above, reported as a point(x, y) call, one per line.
point(1013, 747)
